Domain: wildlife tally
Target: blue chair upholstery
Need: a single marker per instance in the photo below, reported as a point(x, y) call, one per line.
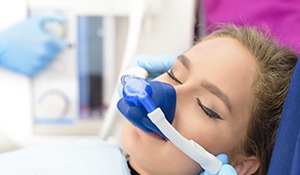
point(286, 154)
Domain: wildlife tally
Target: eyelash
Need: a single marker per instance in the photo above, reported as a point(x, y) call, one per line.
point(210, 113)
point(172, 76)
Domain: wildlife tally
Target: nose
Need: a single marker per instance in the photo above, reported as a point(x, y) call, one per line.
point(182, 101)
point(181, 93)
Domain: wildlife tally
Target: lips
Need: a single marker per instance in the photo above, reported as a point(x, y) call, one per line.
point(156, 136)
point(152, 135)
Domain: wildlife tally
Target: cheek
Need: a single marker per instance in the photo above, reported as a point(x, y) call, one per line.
point(214, 136)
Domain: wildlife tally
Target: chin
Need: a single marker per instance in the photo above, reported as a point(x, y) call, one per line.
point(129, 137)
point(139, 143)
point(150, 150)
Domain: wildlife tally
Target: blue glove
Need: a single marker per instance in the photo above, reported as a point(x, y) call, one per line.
point(155, 64)
point(28, 48)
point(226, 169)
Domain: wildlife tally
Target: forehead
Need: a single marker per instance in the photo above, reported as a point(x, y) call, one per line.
point(226, 54)
point(228, 65)
point(223, 48)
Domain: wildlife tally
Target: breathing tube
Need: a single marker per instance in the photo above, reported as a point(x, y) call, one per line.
point(150, 106)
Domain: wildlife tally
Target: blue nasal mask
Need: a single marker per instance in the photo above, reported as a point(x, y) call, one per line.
point(139, 100)
point(151, 107)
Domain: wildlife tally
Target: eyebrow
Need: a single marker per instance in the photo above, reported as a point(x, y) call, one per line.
point(217, 92)
point(184, 60)
point(207, 85)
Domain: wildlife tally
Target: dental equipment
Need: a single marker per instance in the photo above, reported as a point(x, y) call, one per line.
point(138, 92)
point(55, 27)
point(138, 10)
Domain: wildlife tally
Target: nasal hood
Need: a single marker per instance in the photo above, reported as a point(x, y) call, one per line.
point(163, 96)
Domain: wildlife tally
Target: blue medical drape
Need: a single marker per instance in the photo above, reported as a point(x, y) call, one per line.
point(286, 154)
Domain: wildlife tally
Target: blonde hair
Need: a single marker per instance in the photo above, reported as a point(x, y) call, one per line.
point(275, 68)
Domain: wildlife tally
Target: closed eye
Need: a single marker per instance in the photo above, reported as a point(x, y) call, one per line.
point(171, 74)
point(210, 113)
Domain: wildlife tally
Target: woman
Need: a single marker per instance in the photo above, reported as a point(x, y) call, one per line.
point(230, 91)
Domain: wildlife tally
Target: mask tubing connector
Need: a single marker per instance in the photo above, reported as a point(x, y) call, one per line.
point(148, 104)
point(206, 160)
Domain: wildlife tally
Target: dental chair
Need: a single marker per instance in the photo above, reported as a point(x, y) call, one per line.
point(86, 156)
point(286, 154)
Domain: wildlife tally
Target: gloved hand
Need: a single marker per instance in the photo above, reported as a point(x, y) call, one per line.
point(155, 64)
point(28, 48)
point(226, 169)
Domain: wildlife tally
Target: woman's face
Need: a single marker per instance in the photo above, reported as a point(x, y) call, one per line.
point(213, 83)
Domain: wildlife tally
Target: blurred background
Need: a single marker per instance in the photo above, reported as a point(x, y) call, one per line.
point(71, 95)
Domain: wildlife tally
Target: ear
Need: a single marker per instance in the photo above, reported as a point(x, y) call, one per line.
point(246, 165)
